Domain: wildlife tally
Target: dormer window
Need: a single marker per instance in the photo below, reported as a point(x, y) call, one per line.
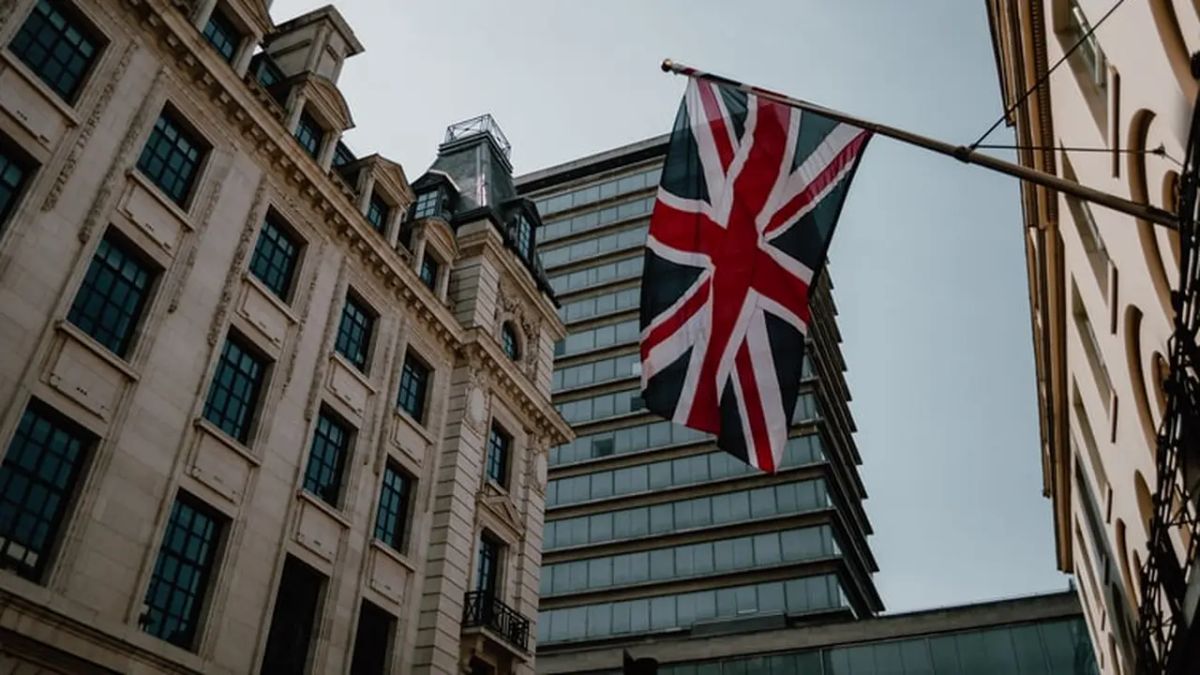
point(222, 34)
point(429, 271)
point(508, 341)
point(523, 236)
point(428, 204)
point(377, 213)
point(267, 72)
point(342, 155)
point(309, 134)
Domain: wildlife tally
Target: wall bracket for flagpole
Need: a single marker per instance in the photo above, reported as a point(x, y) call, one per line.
point(962, 153)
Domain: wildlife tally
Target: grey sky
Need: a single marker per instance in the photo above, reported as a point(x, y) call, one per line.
point(928, 263)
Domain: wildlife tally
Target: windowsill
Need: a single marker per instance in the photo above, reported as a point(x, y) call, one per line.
point(306, 496)
point(395, 555)
point(63, 107)
point(412, 422)
point(225, 439)
point(358, 374)
point(497, 486)
point(176, 210)
point(74, 332)
point(271, 297)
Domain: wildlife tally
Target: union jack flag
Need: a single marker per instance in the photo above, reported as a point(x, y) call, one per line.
point(749, 197)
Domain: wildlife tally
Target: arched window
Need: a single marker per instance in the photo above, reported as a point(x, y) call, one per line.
point(508, 340)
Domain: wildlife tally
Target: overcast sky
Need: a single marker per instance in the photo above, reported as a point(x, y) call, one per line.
point(927, 263)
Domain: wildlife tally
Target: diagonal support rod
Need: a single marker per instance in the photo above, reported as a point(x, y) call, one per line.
point(960, 152)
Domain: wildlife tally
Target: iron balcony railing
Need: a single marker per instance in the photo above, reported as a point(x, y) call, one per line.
point(483, 609)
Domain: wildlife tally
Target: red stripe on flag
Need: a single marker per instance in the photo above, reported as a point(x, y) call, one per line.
point(716, 123)
point(760, 443)
point(680, 317)
point(817, 186)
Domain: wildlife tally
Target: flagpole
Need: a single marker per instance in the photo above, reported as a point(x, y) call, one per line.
point(960, 152)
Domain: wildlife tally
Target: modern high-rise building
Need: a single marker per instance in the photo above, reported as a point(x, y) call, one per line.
point(264, 405)
point(650, 530)
point(1116, 115)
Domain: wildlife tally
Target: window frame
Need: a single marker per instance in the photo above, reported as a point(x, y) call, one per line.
point(430, 261)
point(496, 469)
point(289, 234)
point(343, 449)
point(493, 575)
point(82, 23)
point(306, 122)
point(116, 239)
point(235, 30)
point(510, 343)
point(376, 202)
point(422, 400)
point(433, 207)
point(397, 539)
point(15, 156)
point(189, 132)
point(342, 339)
point(259, 389)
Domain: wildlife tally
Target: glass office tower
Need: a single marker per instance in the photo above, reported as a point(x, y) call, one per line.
point(649, 528)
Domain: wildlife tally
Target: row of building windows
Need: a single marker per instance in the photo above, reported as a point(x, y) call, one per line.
point(668, 473)
point(601, 406)
point(599, 337)
point(590, 220)
point(707, 511)
point(634, 237)
point(596, 192)
point(664, 612)
point(690, 560)
point(627, 268)
point(1058, 647)
point(595, 372)
point(654, 435)
point(598, 305)
point(58, 46)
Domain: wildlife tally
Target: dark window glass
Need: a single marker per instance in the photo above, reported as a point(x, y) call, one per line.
point(233, 395)
point(342, 155)
point(37, 480)
point(375, 628)
point(56, 47)
point(497, 459)
point(13, 172)
point(414, 380)
point(392, 518)
point(275, 256)
point(489, 566)
point(171, 158)
point(113, 294)
point(182, 572)
point(377, 213)
point(223, 35)
point(354, 333)
point(268, 73)
point(429, 271)
point(309, 133)
point(508, 340)
point(296, 605)
point(331, 444)
point(524, 237)
point(428, 204)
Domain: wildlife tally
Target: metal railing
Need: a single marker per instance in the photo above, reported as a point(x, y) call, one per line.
point(1163, 642)
point(481, 609)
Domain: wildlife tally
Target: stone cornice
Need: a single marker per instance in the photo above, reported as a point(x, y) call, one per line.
point(245, 105)
point(480, 348)
point(488, 240)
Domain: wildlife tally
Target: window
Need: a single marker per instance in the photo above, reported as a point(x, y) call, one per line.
point(113, 295)
point(497, 457)
point(222, 34)
point(13, 172)
point(523, 237)
point(275, 256)
point(488, 579)
point(414, 380)
point(182, 572)
point(37, 481)
point(331, 444)
point(1093, 60)
point(342, 155)
point(391, 521)
point(508, 340)
point(428, 204)
point(171, 158)
point(375, 628)
point(233, 395)
point(354, 333)
point(309, 134)
point(267, 71)
point(429, 271)
point(57, 47)
point(296, 606)
point(377, 213)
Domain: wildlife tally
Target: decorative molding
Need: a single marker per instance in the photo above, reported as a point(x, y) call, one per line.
point(233, 277)
point(318, 249)
point(89, 126)
point(210, 204)
point(339, 290)
point(7, 9)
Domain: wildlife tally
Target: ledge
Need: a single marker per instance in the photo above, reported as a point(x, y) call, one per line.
point(212, 430)
point(306, 496)
point(23, 71)
point(395, 555)
point(355, 372)
point(134, 175)
point(410, 421)
point(71, 330)
point(275, 300)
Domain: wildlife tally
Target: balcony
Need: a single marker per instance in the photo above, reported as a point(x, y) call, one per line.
point(483, 610)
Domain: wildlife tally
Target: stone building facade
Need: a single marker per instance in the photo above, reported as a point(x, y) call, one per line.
point(265, 406)
point(1115, 116)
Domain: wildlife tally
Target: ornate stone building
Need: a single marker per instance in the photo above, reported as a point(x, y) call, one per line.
point(1115, 116)
point(264, 405)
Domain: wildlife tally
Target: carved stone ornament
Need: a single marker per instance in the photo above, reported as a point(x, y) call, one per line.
point(476, 411)
point(501, 506)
